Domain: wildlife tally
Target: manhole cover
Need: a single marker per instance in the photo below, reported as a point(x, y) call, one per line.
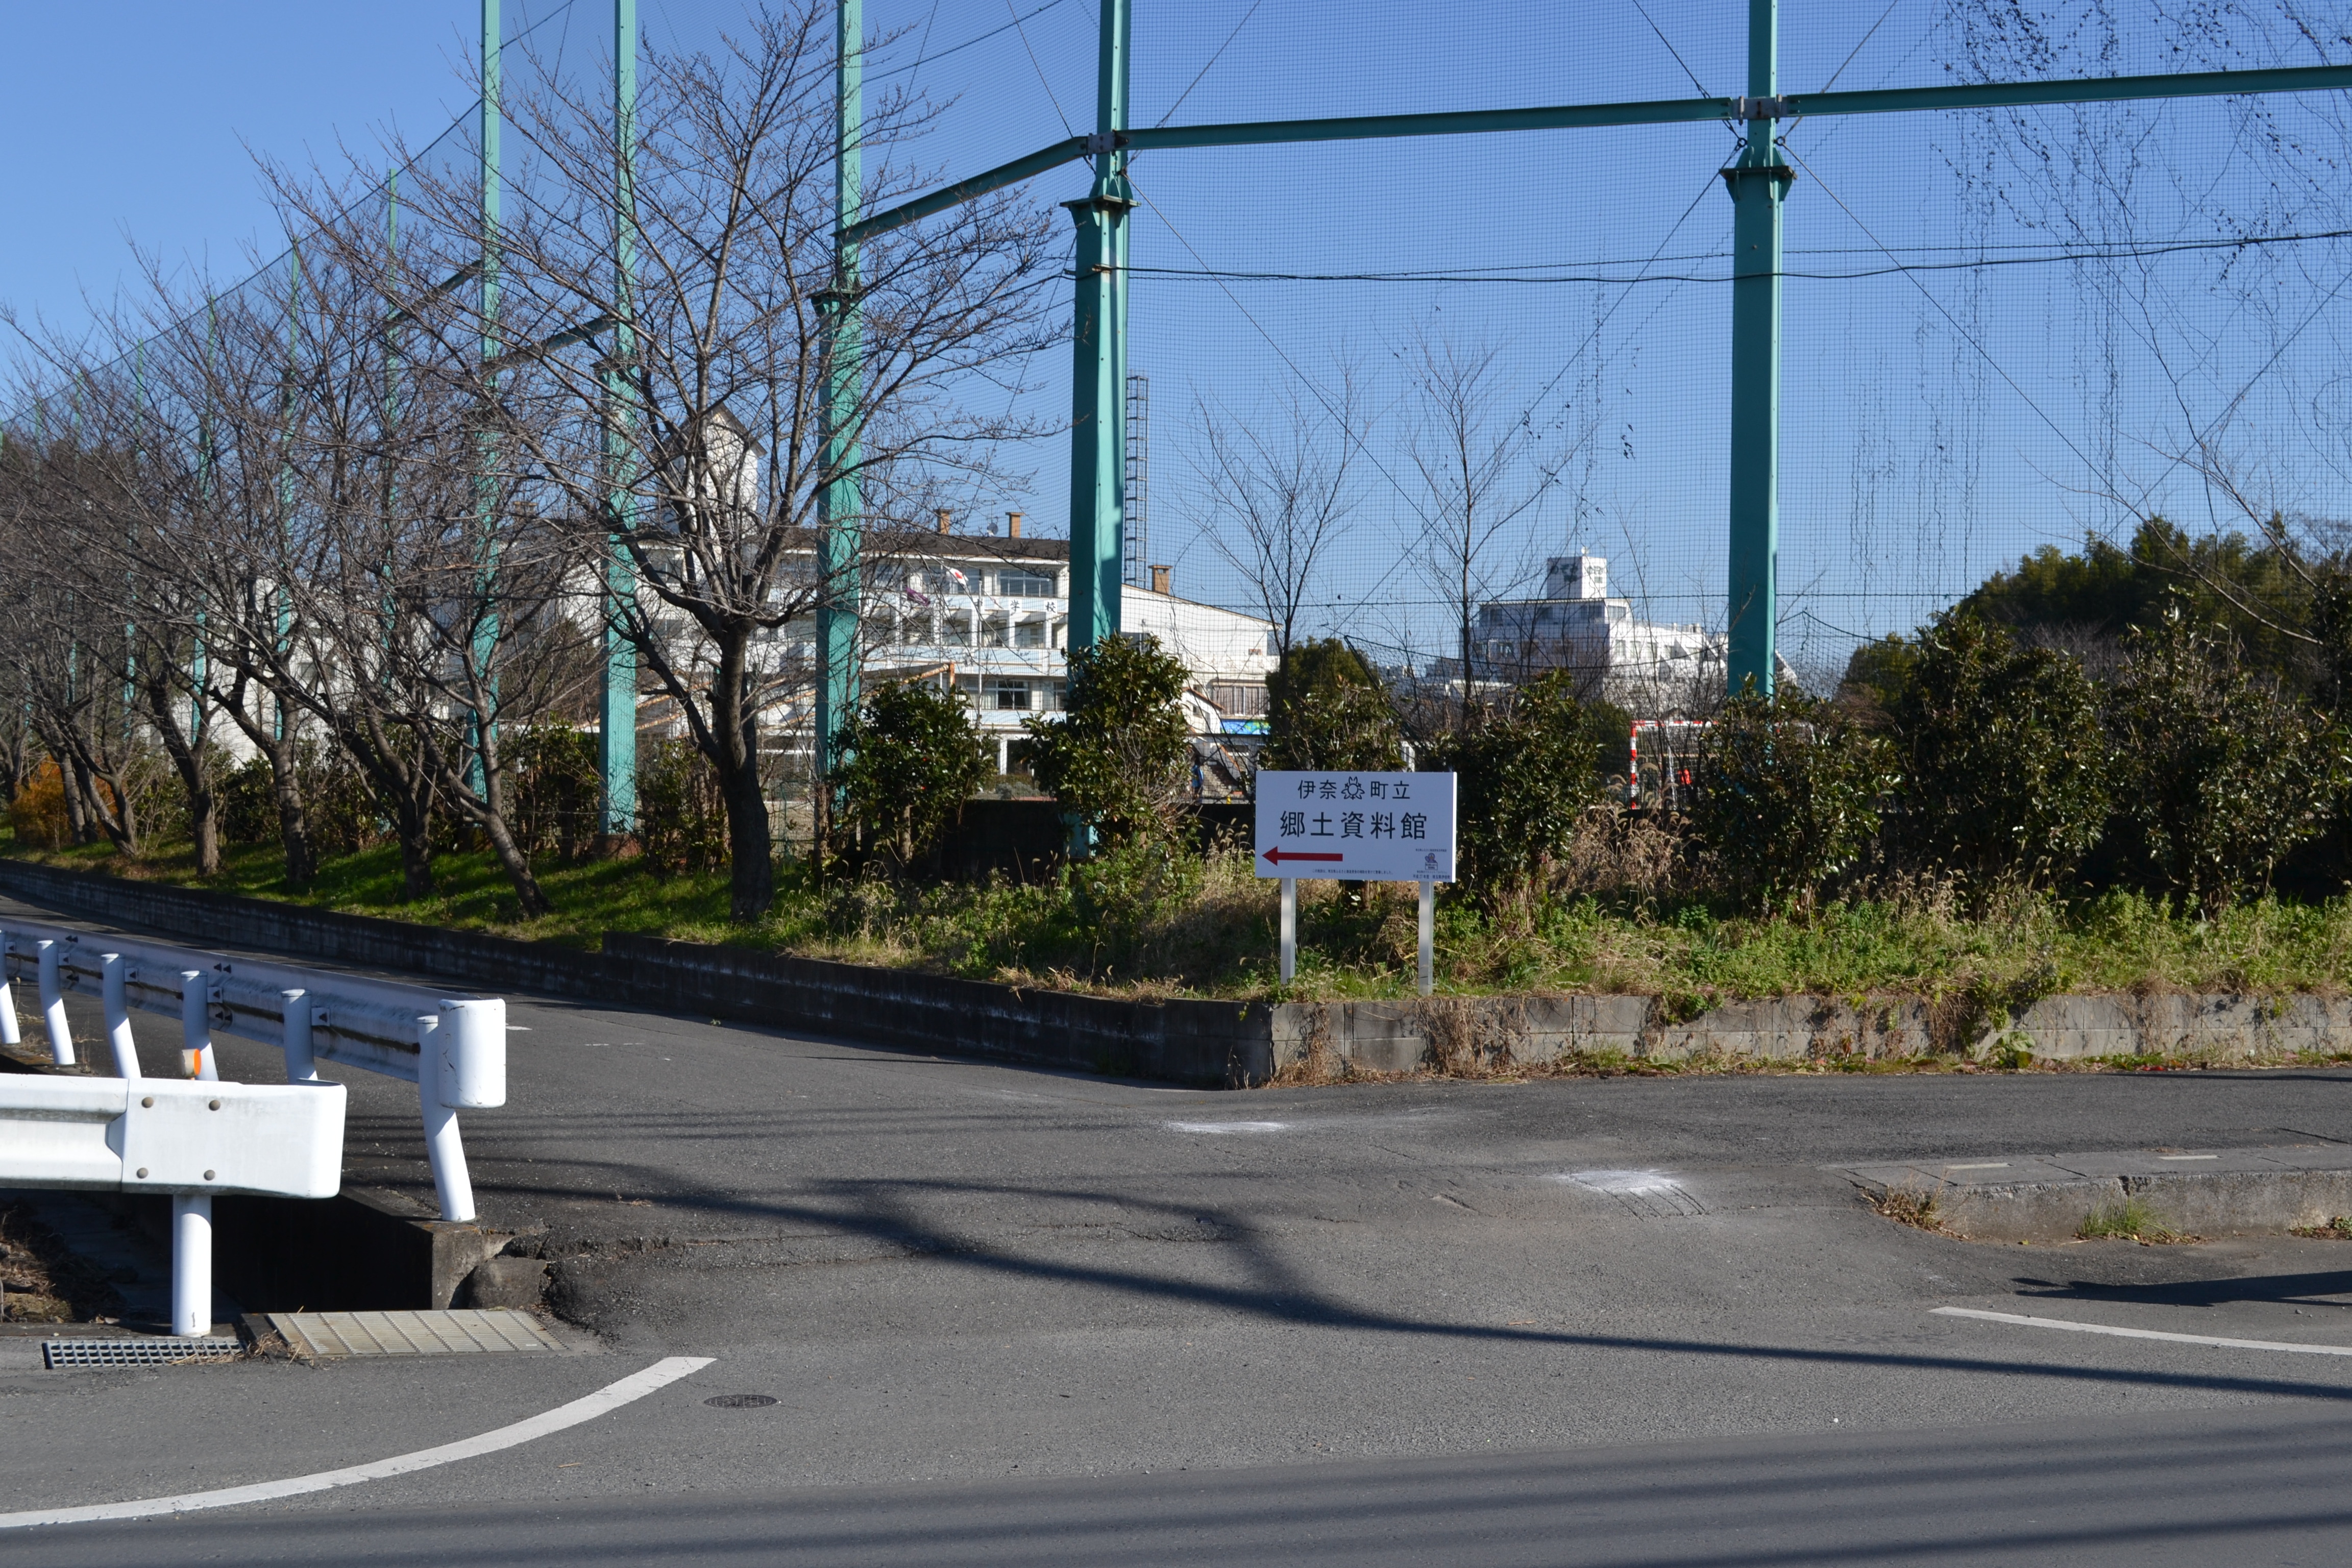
point(739, 1401)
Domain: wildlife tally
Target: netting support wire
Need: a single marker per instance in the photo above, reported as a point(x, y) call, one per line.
point(616, 717)
point(1759, 180)
point(840, 502)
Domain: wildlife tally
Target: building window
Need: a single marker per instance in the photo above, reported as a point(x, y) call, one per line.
point(1239, 701)
point(1029, 634)
point(1022, 586)
point(1013, 696)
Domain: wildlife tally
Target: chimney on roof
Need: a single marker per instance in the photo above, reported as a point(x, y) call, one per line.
point(1013, 525)
point(946, 518)
point(1159, 580)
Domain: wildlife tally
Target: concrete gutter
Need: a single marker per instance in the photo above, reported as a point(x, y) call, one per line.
point(2198, 1192)
point(1234, 1044)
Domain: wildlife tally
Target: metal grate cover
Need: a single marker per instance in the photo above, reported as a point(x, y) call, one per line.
point(459, 1331)
point(58, 1354)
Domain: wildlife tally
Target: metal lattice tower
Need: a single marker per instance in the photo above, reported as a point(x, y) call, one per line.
point(1138, 533)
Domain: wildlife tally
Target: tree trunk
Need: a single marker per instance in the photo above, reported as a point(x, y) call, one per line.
point(411, 823)
point(293, 820)
point(204, 807)
point(77, 794)
point(517, 865)
point(735, 756)
point(749, 846)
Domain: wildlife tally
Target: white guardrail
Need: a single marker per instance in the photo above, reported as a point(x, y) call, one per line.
point(194, 1136)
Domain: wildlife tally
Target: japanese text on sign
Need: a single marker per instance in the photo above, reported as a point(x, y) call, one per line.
point(1356, 826)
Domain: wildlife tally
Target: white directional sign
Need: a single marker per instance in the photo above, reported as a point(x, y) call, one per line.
point(1356, 826)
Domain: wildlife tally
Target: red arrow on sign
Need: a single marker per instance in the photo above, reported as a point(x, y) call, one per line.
point(1278, 854)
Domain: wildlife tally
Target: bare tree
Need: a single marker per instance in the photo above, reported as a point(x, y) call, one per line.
point(715, 379)
point(1483, 468)
point(1280, 484)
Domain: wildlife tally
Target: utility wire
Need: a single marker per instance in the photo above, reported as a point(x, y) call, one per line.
point(1213, 60)
point(1857, 48)
point(922, 59)
point(1673, 51)
point(1040, 70)
point(2125, 253)
point(1966, 336)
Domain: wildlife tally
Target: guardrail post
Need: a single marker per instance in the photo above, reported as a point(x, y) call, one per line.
point(302, 1067)
point(196, 1025)
point(191, 1265)
point(114, 973)
point(8, 1035)
point(53, 1004)
point(443, 1146)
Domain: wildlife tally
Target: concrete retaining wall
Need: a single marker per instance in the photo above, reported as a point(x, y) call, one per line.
point(1227, 1043)
point(1182, 1041)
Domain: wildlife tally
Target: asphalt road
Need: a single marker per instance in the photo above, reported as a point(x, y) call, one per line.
point(1009, 1315)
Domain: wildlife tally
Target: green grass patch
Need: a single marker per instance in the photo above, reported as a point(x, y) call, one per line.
point(2129, 1219)
point(1149, 922)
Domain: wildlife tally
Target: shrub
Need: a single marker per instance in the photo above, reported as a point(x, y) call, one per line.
point(339, 806)
point(1524, 780)
point(912, 758)
point(1114, 759)
point(2219, 774)
point(1326, 709)
point(37, 815)
point(2003, 757)
point(248, 805)
point(557, 789)
point(681, 816)
point(1788, 796)
point(337, 803)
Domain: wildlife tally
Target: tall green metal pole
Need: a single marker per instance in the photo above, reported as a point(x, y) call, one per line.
point(1759, 179)
point(486, 634)
point(842, 501)
point(616, 723)
point(1099, 372)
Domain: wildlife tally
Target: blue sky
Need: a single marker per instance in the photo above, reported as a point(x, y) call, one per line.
point(137, 121)
point(1936, 421)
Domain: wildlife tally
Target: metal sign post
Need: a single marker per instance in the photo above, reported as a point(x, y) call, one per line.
point(1356, 827)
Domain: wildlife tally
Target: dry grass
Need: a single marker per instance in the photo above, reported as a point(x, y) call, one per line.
point(1909, 1205)
point(42, 1282)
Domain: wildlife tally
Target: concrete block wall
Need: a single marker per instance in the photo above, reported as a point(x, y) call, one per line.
point(1185, 1041)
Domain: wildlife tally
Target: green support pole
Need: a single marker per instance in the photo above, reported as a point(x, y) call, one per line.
point(1099, 372)
point(616, 717)
point(1759, 179)
point(1099, 368)
point(842, 501)
point(485, 634)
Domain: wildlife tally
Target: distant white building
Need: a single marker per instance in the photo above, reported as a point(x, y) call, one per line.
point(1655, 670)
point(989, 614)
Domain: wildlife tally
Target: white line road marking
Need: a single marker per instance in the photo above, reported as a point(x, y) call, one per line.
point(1622, 1181)
point(612, 1396)
point(2189, 1157)
point(1993, 1166)
point(1228, 1126)
point(2143, 1334)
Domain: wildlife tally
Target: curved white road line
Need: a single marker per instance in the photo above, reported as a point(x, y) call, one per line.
point(2286, 1345)
point(611, 1397)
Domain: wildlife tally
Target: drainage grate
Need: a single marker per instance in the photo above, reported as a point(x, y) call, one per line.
point(56, 1355)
